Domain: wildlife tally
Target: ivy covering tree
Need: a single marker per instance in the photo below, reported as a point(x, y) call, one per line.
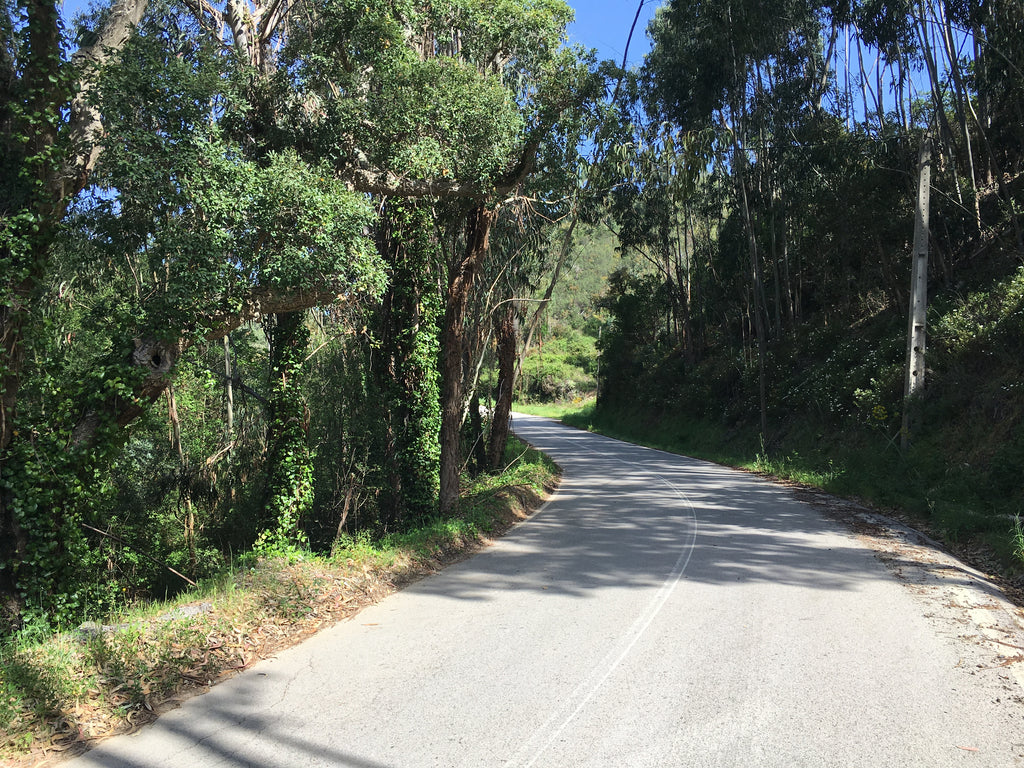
point(450, 103)
point(284, 196)
point(179, 240)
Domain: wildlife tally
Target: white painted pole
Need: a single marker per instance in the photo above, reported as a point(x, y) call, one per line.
point(914, 380)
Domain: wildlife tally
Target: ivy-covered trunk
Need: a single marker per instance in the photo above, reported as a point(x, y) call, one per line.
point(39, 174)
point(15, 308)
point(29, 218)
point(289, 489)
point(461, 277)
point(409, 318)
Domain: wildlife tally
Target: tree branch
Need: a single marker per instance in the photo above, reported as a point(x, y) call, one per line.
point(84, 121)
point(392, 185)
point(241, 24)
point(387, 183)
point(208, 17)
point(270, 18)
point(146, 555)
point(274, 301)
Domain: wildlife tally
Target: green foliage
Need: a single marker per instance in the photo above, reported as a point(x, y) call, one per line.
point(180, 235)
point(771, 214)
point(466, 126)
point(83, 684)
point(289, 491)
point(223, 193)
point(837, 409)
point(345, 433)
point(633, 341)
point(560, 367)
point(561, 411)
point(793, 466)
point(574, 301)
point(455, 82)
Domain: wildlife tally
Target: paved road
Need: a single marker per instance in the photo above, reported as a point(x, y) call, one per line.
point(659, 611)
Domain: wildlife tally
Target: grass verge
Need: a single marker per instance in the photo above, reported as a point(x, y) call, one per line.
point(557, 410)
point(61, 692)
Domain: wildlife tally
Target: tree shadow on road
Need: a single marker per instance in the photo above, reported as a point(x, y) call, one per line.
point(625, 515)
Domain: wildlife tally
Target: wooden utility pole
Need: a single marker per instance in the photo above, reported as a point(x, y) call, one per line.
point(914, 380)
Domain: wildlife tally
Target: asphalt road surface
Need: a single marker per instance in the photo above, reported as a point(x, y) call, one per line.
point(658, 611)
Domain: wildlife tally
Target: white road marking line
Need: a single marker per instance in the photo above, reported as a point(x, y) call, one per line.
point(586, 690)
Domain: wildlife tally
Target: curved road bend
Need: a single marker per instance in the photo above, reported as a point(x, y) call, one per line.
point(658, 611)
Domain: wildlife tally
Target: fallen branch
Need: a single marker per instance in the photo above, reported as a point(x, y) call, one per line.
point(146, 555)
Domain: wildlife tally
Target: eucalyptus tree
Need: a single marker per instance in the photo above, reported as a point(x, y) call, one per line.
point(664, 172)
point(998, 73)
point(539, 239)
point(708, 70)
point(530, 243)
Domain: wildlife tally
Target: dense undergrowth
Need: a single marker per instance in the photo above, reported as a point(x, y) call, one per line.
point(59, 691)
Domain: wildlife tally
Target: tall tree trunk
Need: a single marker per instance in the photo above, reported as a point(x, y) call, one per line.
point(507, 338)
point(41, 200)
point(928, 48)
point(961, 112)
point(461, 278)
point(229, 393)
point(184, 480)
point(863, 81)
point(289, 489)
point(409, 376)
point(757, 279)
point(981, 116)
point(478, 463)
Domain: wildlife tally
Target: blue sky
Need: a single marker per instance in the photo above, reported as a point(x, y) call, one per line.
point(600, 24)
point(604, 25)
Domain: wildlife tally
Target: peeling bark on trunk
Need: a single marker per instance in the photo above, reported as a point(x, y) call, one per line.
point(507, 343)
point(460, 283)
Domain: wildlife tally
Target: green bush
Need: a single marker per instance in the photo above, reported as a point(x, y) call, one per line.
point(560, 369)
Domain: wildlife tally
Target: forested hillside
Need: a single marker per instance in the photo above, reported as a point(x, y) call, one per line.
point(770, 199)
point(268, 266)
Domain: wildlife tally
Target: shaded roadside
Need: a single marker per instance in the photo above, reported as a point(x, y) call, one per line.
point(62, 696)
